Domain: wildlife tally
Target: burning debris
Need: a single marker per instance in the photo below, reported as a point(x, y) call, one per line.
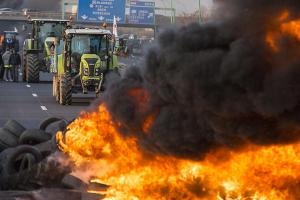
point(213, 113)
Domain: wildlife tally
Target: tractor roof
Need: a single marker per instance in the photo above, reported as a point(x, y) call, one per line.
point(12, 32)
point(88, 31)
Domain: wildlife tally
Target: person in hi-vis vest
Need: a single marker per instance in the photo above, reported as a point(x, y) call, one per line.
point(7, 76)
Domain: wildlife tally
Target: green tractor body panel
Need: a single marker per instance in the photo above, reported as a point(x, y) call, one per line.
point(49, 43)
point(87, 71)
point(60, 64)
point(114, 63)
point(30, 45)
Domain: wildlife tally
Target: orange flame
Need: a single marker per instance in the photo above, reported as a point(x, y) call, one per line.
point(283, 27)
point(256, 173)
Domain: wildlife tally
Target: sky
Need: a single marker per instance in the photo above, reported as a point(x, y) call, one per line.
point(186, 6)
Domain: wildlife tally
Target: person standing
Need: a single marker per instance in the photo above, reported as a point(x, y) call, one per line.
point(15, 62)
point(7, 76)
point(1, 67)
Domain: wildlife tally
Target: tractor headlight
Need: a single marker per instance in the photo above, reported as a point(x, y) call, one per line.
point(85, 71)
point(97, 72)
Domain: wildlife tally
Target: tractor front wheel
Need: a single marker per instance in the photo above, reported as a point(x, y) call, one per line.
point(32, 68)
point(65, 89)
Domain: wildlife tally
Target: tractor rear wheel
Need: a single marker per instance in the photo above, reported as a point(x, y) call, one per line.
point(32, 68)
point(65, 89)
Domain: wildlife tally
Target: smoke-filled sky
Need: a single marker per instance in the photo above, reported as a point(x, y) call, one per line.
point(50, 5)
point(186, 6)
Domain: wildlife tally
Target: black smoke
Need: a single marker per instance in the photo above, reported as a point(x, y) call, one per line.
point(215, 85)
point(37, 5)
point(10, 3)
point(52, 5)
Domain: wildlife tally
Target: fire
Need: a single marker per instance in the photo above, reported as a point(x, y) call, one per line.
point(102, 154)
point(284, 26)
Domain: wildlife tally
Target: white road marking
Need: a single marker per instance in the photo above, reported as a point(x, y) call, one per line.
point(44, 108)
point(34, 95)
point(28, 86)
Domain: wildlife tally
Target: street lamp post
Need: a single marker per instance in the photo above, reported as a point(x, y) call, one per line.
point(200, 11)
point(173, 13)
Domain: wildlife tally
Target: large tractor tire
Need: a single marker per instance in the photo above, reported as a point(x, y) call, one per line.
point(65, 89)
point(32, 68)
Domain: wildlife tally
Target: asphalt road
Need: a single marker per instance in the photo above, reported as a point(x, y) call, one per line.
point(30, 104)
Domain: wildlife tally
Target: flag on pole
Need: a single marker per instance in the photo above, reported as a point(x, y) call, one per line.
point(115, 27)
point(115, 35)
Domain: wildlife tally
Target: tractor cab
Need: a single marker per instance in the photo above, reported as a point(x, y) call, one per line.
point(38, 50)
point(10, 40)
point(84, 62)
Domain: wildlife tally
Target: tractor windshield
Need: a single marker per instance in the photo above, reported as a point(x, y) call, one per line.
point(89, 44)
point(50, 30)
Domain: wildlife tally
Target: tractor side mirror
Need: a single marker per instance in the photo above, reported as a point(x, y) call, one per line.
point(104, 58)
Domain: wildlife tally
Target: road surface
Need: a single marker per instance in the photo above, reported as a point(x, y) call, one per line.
point(30, 104)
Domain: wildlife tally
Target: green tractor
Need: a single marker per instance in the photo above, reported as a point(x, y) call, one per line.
point(37, 49)
point(85, 57)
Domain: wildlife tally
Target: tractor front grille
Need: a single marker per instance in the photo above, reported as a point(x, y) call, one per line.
point(91, 70)
point(92, 63)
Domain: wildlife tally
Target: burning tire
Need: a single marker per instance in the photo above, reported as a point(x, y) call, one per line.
point(14, 127)
point(7, 139)
point(65, 89)
point(33, 137)
point(32, 68)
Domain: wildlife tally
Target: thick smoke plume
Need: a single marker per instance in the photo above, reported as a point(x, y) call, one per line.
point(10, 3)
point(52, 5)
point(215, 85)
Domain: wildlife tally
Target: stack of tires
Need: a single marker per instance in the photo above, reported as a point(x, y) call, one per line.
point(23, 162)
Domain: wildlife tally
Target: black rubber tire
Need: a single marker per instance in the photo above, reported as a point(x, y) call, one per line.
point(65, 89)
point(24, 60)
point(3, 146)
point(14, 127)
point(33, 137)
point(57, 96)
point(7, 138)
point(9, 165)
point(32, 69)
point(49, 121)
